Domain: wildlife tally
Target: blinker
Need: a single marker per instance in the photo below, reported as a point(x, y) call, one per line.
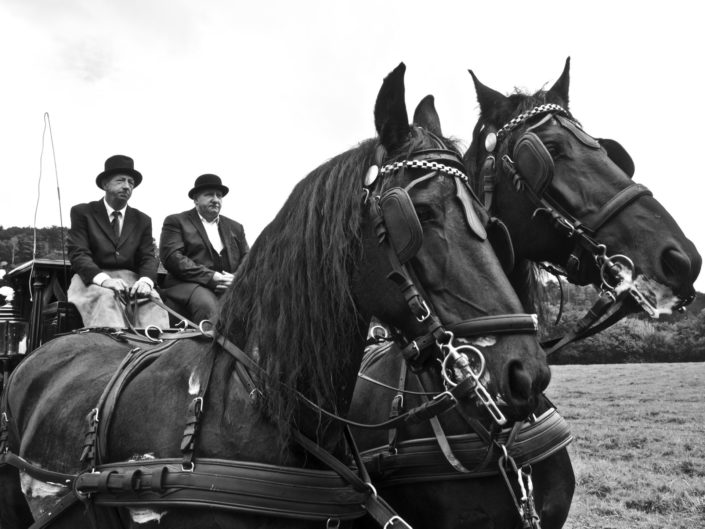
point(401, 222)
point(534, 162)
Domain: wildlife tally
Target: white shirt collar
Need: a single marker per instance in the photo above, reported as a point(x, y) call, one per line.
point(214, 221)
point(110, 210)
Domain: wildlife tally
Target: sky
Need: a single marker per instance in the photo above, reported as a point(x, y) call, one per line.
point(261, 93)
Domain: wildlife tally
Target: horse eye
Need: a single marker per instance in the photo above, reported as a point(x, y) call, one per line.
point(424, 212)
point(553, 149)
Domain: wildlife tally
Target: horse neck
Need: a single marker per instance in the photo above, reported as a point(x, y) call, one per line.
point(315, 424)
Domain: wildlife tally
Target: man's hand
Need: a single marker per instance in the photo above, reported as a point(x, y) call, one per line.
point(141, 289)
point(223, 281)
point(118, 285)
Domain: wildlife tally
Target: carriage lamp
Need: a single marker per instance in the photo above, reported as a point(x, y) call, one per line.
point(13, 331)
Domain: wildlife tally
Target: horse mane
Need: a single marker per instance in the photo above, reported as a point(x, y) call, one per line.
point(526, 282)
point(291, 300)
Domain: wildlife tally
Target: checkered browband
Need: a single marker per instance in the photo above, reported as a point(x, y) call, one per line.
point(541, 109)
point(423, 164)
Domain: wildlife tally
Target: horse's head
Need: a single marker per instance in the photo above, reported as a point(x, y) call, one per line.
point(569, 198)
point(427, 268)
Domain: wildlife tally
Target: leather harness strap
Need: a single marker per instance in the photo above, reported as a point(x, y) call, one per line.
point(397, 406)
point(227, 485)
point(95, 446)
point(420, 460)
point(234, 486)
point(607, 307)
point(441, 438)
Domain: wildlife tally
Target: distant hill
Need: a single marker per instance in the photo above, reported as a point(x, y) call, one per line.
point(17, 244)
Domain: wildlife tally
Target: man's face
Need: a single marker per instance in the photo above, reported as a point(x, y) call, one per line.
point(208, 203)
point(118, 189)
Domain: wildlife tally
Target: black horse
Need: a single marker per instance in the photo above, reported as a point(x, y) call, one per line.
point(569, 199)
point(299, 306)
point(582, 177)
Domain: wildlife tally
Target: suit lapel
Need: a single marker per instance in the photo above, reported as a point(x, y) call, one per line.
point(100, 214)
point(129, 225)
point(227, 237)
point(196, 220)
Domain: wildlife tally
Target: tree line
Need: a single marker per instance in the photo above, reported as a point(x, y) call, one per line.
point(17, 244)
point(675, 338)
point(678, 337)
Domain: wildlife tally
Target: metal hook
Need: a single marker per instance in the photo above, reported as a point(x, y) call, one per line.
point(200, 327)
point(149, 337)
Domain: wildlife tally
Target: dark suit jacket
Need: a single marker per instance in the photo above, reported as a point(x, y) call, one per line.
point(188, 255)
point(93, 247)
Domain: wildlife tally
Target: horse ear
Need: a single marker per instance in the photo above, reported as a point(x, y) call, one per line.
point(490, 100)
point(425, 116)
point(391, 119)
point(561, 86)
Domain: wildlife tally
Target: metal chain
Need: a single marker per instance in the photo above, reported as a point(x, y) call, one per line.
point(541, 109)
point(423, 164)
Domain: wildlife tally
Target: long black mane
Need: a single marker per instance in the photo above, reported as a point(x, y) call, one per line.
point(291, 298)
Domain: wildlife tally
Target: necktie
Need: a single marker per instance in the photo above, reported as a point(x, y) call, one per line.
point(116, 223)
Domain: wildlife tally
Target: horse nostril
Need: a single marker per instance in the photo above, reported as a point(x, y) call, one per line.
point(519, 382)
point(676, 265)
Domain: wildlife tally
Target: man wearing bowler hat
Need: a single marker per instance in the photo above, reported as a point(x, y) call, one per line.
point(200, 249)
point(112, 253)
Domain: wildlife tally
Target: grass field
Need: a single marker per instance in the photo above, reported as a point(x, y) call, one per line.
point(639, 449)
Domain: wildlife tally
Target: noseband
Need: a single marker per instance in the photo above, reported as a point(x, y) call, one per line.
point(399, 231)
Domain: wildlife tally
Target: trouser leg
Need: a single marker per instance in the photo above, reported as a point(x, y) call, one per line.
point(203, 304)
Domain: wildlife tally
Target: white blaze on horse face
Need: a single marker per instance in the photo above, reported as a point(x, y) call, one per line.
point(194, 384)
point(484, 341)
point(145, 515)
point(33, 488)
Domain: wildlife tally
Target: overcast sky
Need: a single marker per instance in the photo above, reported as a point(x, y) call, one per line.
point(262, 92)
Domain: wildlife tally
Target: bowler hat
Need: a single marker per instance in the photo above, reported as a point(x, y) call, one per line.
point(207, 181)
point(119, 164)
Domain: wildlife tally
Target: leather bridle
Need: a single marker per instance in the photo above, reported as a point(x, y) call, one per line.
point(398, 230)
point(530, 168)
